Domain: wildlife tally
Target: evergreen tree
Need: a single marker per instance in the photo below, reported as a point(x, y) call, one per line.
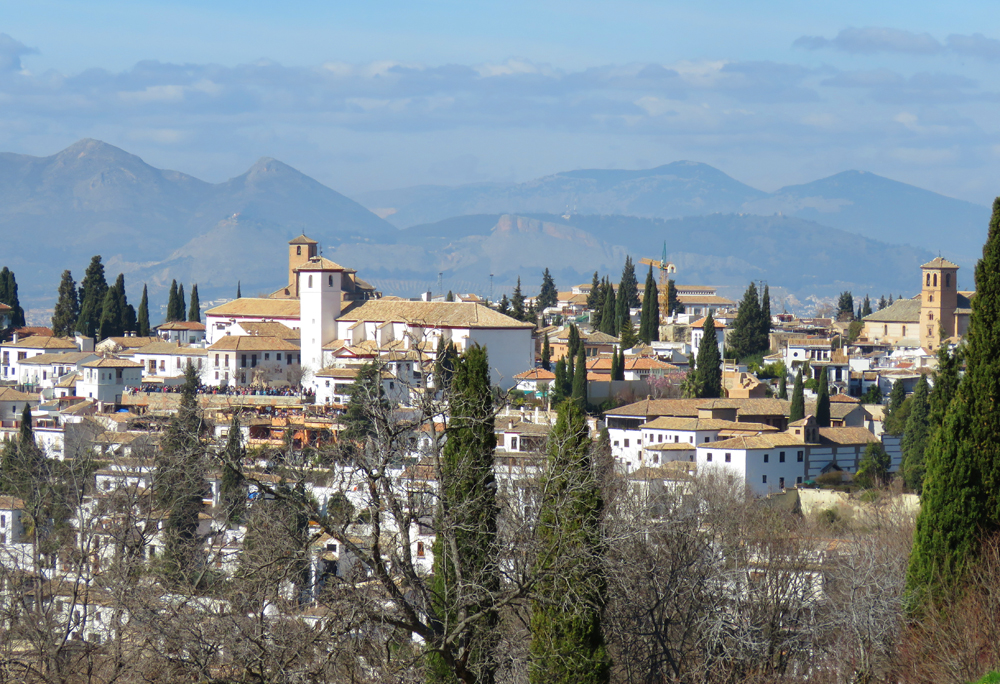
point(783, 387)
point(673, 304)
point(180, 485)
point(595, 298)
point(92, 292)
point(890, 300)
point(194, 312)
point(609, 311)
point(143, 319)
point(232, 488)
point(567, 645)
point(559, 391)
point(573, 342)
point(504, 306)
point(764, 341)
point(744, 341)
point(517, 302)
point(450, 297)
point(548, 295)
point(8, 296)
point(621, 364)
point(946, 380)
point(444, 364)
point(960, 505)
point(797, 411)
point(466, 571)
point(181, 303)
point(131, 322)
point(866, 308)
point(629, 286)
point(873, 469)
point(627, 337)
point(709, 364)
point(645, 314)
point(126, 318)
point(894, 417)
point(614, 365)
point(173, 304)
point(580, 379)
point(823, 400)
point(546, 353)
point(845, 307)
point(365, 397)
point(239, 293)
point(67, 307)
point(111, 316)
point(882, 303)
point(916, 435)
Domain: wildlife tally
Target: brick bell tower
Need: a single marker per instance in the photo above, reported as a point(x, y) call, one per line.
point(300, 251)
point(938, 301)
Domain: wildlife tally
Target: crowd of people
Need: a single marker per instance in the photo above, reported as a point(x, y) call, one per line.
point(229, 391)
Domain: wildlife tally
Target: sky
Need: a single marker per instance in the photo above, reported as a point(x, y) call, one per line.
point(372, 96)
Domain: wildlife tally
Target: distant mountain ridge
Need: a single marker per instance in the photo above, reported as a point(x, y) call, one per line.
point(856, 201)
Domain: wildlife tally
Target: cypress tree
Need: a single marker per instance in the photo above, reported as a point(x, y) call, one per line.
point(466, 570)
point(232, 488)
point(67, 307)
point(645, 324)
point(894, 416)
point(92, 292)
point(609, 311)
point(517, 302)
point(614, 365)
point(946, 380)
point(173, 305)
point(797, 410)
point(866, 307)
point(239, 293)
point(627, 337)
point(916, 435)
point(111, 316)
point(573, 342)
point(596, 295)
point(548, 295)
point(621, 364)
point(673, 304)
point(546, 353)
point(744, 339)
point(143, 319)
point(567, 645)
point(960, 505)
point(194, 312)
point(709, 364)
point(504, 306)
point(629, 286)
point(559, 392)
point(764, 342)
point(8, 295)
point(450, 297)
point(580, 379)
point(126, 318)
point(882, 303)
point(783, 387)
point(823, 400)
point(181, 302)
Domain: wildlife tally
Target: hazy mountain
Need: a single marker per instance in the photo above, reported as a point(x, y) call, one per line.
point(680, 189)
point(855, 201)
point(93, 198)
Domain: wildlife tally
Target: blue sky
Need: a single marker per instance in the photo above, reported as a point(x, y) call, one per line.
point(367, 96)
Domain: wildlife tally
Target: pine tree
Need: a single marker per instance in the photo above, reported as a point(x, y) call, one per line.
point(194, 312)
point(823, 400)
point(232, 488)
point(517, 302)
point(627, 337)
point(916, 436)
point(181, 302)
point(764, 340)
point(866, 308)
point(92, 292)
point(466, 570)
point(111, 316)
point(595, 298)
point(143, 318)
point(180, 485)
point(8, 296)
point(873, 469)
point(890, 300)
point(567, 645)
point(504, 306)
point(709, 364)
point(783, 387)
point(67, 307)
point(609, 311)
point(845, 307)
point(882, 303)
point(580, 379)
point(797, 411)
point(960, 505)
point(548, 295)
point(629, 286)
point(173, 304)
point(546, 353)
point(743, 342)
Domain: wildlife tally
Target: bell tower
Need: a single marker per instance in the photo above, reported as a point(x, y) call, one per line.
point(320, 287)
point(938, 301)
point(300, 251)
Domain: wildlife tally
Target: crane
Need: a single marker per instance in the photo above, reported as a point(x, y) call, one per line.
point(665, 268)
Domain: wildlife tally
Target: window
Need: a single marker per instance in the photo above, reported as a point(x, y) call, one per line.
point(216, 375)
point(616, 443)
point(930, 315)
point(764, 479)
point(781, 482)
point(420, 549)
point(216, 360)
point(800, 456)
point(947, 280)
point(765, 458)
point(706, 439)
point(3, 521)
point(298, 251)
point(930, 298)
point(928, 279)
point(267, 356)
point(798, 480)
point(277, 356)
point(329, 280)
point(885, 330)
point(626, 444)
point(935, 280)
point(3, 537)
point(781, 457)
point(729, 457)
point(904, 331)
point(709, 457)
point(310, 281)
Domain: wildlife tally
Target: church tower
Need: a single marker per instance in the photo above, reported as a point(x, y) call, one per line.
point(300, 251)
point(938, 301)
point(320, 285)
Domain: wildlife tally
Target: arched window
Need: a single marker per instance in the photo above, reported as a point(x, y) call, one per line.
point(930, 298)
point(298, 251)
point(930, 315)
point(935, 280)
point(329, 280)
point(310, 281)
point(904, 331)
point(947, 280)
point(928, 279)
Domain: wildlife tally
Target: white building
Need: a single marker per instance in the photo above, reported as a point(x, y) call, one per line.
point(12, 403)
point(12, 353)
point(182, 332)
point(44, 371)
point(106, 380)
point(252, 360)
point(168, 359)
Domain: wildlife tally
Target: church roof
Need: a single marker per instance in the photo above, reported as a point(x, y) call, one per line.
point(257, 307)
point(900, 311)
point(303, 240)
point(431, 314)
point(939, 263)
point(319, 264)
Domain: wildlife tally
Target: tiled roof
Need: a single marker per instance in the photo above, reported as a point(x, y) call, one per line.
point(843, 398)
point(252, 343)
point(42, 342)
point(258, 307)
point(271, 329)
point(46, 359)
point(632, 363)
point(939, 263)
point(10, 503)
point(433, 314)
point(674, 423)
point(598, 337)
point(319, 264)
point(303, 240)
point(112, 363)
point(700, 323)
point(705, 300)
point(131, 342)
point(5, 307)
point(173, 348)
point(337, 373)
point(69, 380)
point(671, 446)
point(536, 374)
point(847, 435)
point(181, 325)
point(769, 441)
point(11, 394)
point(900, 311)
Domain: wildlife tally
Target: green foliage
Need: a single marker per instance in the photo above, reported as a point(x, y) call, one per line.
point(765, 319)
point(823, 401)
point(866, 307)
point(548, 295)
point(609, 311)
point(8, 296)
point(573, 342)
point(750, 332)
point(960, 505)
point(142, 321)
point(916, 436)
point(873, 470)
point(783, 387)
point(673, 304)
point(174, 310)
point(567, 645)
point(873, 395)
point(232, 488)
point(562, 387)
point(854, 330)
point(67, 307)
point(466, 574)
point(546, 353)
point(111, 316)
point(768, 371)
point(649, 316)
point(629, 286)
point(798, 407)
point(894, 421)
point(504, 305)
point(194, 311)
point(239, 293)
point(517, 309)
point(627, 336)
point(845, 307)
point(946, 381)
point(366, 397)
point(579, 395)
point(614, 365)
point(92, 293)
point(595, 298)
point(708, 368)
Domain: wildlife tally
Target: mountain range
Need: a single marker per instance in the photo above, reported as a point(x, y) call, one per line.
point(852, 231)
